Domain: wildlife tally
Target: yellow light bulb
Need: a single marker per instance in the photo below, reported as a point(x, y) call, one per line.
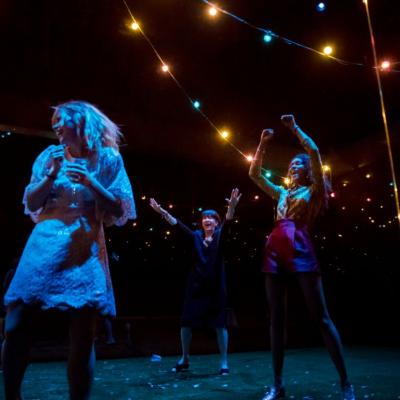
point(224, 134)
point(385, 65)
point(328, 50)
point(213, 11)
point(249, 158)
point(165, 68)
point(326, 168)
point(286, 181)
point(135, 26)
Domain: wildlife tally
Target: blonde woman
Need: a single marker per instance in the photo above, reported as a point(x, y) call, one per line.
point(75, 188)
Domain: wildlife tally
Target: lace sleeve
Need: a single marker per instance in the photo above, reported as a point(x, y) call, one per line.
point(39, 169)
point(117, 182)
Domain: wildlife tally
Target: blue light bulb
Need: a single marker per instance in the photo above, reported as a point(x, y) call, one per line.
point(267, 38)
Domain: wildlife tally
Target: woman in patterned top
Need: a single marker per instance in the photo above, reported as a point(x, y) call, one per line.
point(289, 250)
point(75, 188)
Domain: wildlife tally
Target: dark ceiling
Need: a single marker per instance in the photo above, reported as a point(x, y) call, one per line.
point(53, 51)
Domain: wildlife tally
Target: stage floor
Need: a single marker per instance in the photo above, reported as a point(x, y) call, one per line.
point(309, 374)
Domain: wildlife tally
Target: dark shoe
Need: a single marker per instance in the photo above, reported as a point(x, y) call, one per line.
point(224, 371)
point(180, 367)
point(348, 392)
point(274, 393)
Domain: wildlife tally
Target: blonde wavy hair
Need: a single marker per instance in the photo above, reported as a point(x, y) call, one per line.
point(94, 127)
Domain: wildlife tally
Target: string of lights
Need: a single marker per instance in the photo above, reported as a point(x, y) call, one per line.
point(383, 110)
point(213, 11)
point(165, 68)
point(269, 35)
point(223, 133)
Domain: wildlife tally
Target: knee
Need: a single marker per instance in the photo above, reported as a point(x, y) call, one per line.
point(324, 322)
point(13, 328)
point(277, 324)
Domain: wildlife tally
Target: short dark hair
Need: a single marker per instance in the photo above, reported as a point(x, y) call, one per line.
point(211, 213)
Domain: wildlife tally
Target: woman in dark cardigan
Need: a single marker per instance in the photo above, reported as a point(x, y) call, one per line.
point(205, 298)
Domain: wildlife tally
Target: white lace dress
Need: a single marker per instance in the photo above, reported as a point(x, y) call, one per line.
point(64, 264)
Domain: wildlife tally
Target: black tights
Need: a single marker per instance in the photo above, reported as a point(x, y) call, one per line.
point(16, 347)
point(311, 287)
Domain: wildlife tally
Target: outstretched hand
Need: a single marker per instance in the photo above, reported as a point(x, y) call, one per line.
point(288, 120)
point(234, 199)
point(155, 206)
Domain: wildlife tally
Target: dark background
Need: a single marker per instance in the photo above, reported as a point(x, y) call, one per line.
point(78, 49)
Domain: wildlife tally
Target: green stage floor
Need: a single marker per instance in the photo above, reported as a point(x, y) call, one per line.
point(309, 374)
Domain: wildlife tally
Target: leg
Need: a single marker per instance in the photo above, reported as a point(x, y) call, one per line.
point(82, 356)
point(15, 349)
point(275, 289)
point(311, 286)
point(186, 339)
point(109, 330)
point(222, 337)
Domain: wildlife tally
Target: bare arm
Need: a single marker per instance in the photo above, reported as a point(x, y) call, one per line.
point(79, 174)
point(255, 174)
point(38, 193)
point(168, 217)
point(164, 213)
point(309, 146)
point(105, 198)
point(232, 203)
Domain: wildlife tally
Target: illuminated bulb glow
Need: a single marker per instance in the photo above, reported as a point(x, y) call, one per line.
point(326, 168)
point(165, 68)
point(135, 26)
point(321, 6)
point(286, 181)
point(267, 38)
point(224, 134)
point(328, 50)
point(196, 104)
point(249, 158)
point(213, 11)
point(385, 65)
